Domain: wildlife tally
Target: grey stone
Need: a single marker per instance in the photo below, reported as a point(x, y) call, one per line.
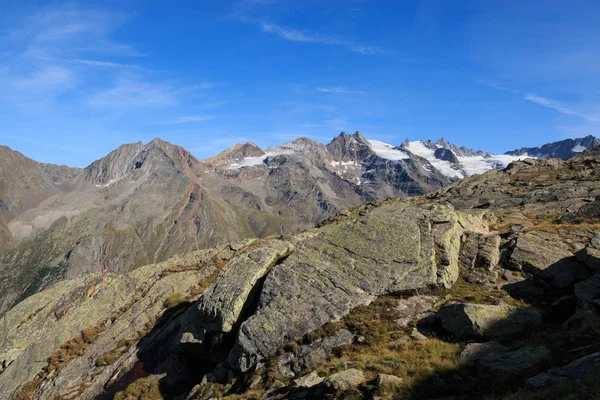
point(482, 320)
point(309, 380)
point(414, 308)
point(474, 352)
point(310, 356)
point(344, 380)
point(517, 364)
point(388, 382)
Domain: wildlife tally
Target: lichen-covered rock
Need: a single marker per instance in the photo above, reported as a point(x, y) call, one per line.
point(113, 307)
point(518, 364)
point(483, 320)
point(223, 302)
point(308, 381)
point(547, 255)
point(539, 250)
point(394, 248)
point(344, 380)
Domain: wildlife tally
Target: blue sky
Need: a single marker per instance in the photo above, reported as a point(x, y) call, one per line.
point(79, 78)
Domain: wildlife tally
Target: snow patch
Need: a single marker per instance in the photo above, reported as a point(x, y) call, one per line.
point(254, 161)
point(445, 167)
point(468, 165)
point(480, 165)
point(387, 151)
point(578, 149)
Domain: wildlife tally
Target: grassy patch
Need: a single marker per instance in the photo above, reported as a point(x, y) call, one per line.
point(472, 293)
point(174, 300)
point(142, 389)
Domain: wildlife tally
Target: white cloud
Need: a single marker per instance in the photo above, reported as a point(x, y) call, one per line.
point(188, 119)
point(135, 92)
point(542, 101)
point(339, 89)
point(95, 63)
point(555, 105)
point(308, 37)
point(129, 92)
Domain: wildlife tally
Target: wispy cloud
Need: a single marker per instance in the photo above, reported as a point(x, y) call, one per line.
point(339, 89)
point(542, 101)
point(132, 92)
point(187, 119)
point(555, 105)
point(107, 64)
point(310, 37)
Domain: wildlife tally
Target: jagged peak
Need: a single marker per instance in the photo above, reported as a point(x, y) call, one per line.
point(350, 147)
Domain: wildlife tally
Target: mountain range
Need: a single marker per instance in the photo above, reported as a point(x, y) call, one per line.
point(144, 203)
point(487, 288)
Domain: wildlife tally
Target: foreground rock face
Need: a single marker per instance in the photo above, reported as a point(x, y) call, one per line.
point(267, 293)
point(107, 308)
point(393, 249)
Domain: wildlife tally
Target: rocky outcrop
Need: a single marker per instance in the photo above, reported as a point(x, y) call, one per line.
point(547, 256)
point(331, 273)
point(481, 320)
point(101, 316)
point(585, 366)
point(480, 254)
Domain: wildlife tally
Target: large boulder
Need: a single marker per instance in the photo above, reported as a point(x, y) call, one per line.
point(483, 320)
point(395, 248)
point(518, 364)
point(548, 256)
point(577, 369)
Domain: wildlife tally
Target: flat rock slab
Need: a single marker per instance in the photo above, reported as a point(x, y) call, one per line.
point(395, 248)
point(483, 320)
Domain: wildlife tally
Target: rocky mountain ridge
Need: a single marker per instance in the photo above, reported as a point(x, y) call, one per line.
point(144, 203)
point(485, 288)
point(563, 149)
